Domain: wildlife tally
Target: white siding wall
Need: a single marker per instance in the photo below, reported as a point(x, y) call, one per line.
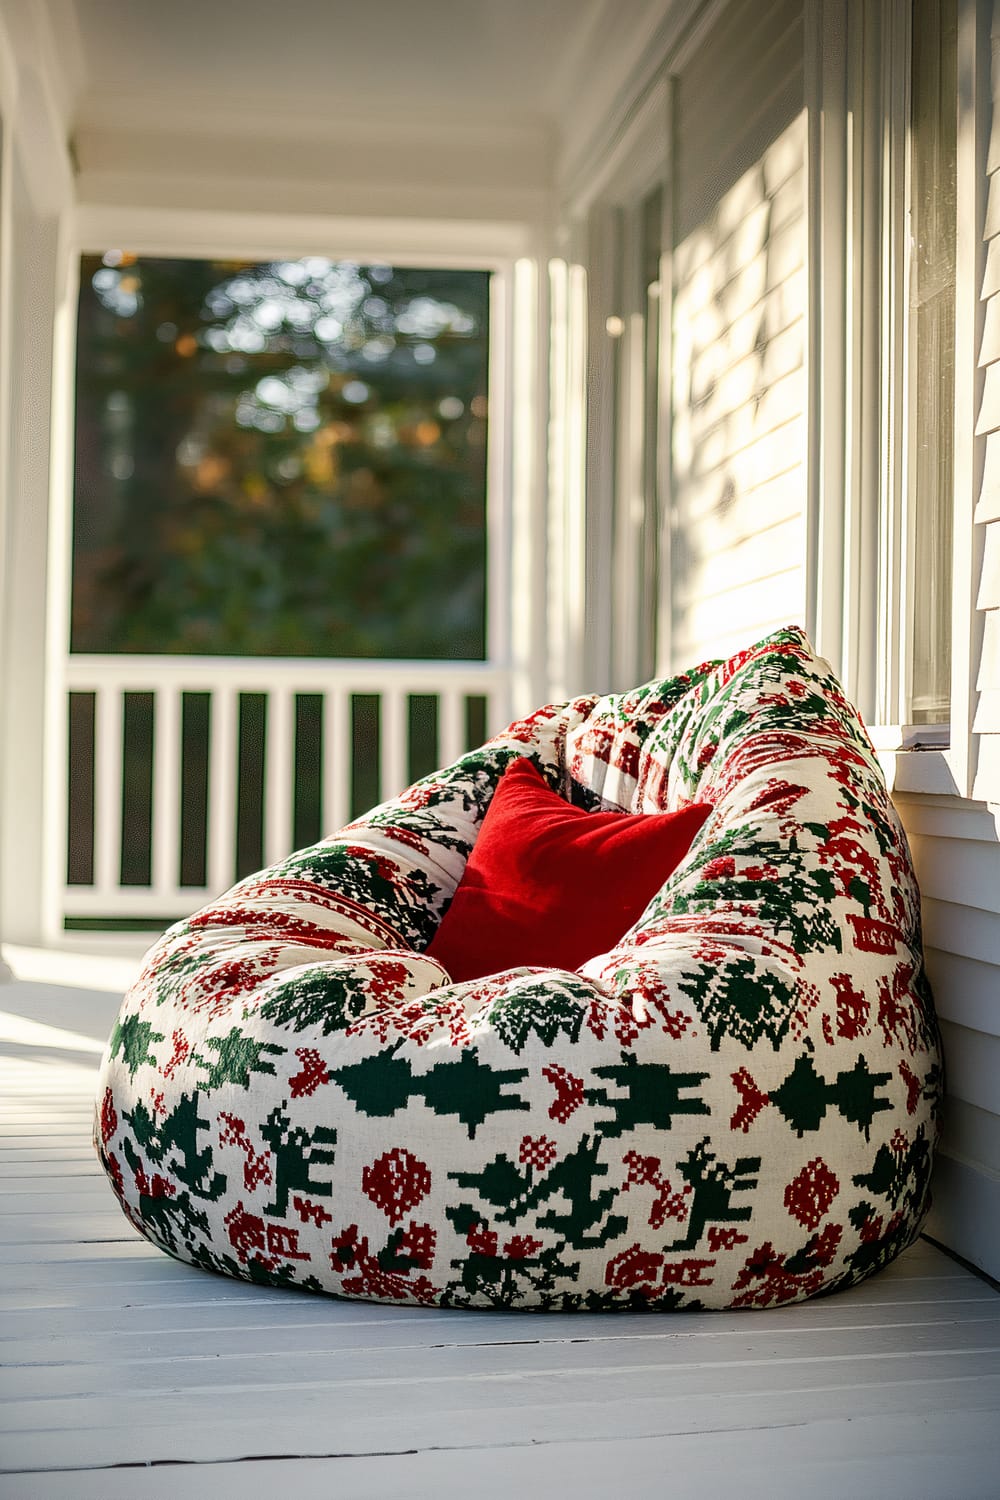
point(987, 722)
point(738, 382)
point(957, 857)
point(956, 849)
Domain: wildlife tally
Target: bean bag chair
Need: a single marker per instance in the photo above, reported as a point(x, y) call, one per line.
point(732, 1104)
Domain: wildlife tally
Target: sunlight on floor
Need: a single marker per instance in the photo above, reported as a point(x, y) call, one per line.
point(26, 1033)
point(81, 969)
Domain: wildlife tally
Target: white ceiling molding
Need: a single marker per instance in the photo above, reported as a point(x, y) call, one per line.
point(32, 111)
point(295, 175)
point(333, 199)
point(635, 159)
point(621, 69)
point(262, 152)
point(237, 113)
point(264, 234)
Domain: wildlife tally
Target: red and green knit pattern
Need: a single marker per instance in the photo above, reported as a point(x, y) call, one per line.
point(736, 1106)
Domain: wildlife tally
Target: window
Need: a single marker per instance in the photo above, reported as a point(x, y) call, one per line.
point(899, 245)
point(281, 458)
point(933, 208)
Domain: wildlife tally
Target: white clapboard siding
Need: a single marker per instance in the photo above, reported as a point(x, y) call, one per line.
point(988, 764)
point(751, 554)
point(956, 844)
point(956, 853)
point(989, 580)
point(738, 381)
point(988, 508)
point(989, 661)
point(991, 276)
point(989, 405)
point(987, 722)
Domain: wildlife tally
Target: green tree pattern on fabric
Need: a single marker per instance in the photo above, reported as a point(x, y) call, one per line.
point(543, 1010)
point(238, 1056)
point(133, 1038)
point(315, 998)
point(743, 1000)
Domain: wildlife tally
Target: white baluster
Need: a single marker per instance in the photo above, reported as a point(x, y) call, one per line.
point(336, 759)
point(108, 746)
point(393, 740)
point(166, 790)
point(222, 774)
point(279, 775)
point(451, 725)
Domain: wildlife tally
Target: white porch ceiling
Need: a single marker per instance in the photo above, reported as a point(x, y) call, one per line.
point(450, 108)
point(498, 59)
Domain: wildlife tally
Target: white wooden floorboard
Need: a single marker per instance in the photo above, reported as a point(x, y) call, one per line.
point(123, 1373)
point(946, 1458)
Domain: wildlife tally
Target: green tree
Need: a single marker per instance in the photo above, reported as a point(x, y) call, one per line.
point(281, 458)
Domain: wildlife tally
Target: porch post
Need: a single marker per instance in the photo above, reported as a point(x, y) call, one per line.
point(35, 194)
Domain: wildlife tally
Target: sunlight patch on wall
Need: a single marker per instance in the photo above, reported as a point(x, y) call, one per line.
point(739, 394)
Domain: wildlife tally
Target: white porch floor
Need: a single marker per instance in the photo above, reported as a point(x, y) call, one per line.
point(127, 1374)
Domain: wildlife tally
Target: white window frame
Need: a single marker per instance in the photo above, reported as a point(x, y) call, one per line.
point(515, 561)
point(859, 548)
point(428, 243)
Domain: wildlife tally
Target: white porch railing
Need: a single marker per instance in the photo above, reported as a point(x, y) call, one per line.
point(466, 700)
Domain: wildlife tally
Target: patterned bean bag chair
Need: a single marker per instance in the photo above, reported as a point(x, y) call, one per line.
point(733, 1106)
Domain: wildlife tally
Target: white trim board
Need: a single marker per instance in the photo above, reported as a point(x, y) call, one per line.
point(263, 234)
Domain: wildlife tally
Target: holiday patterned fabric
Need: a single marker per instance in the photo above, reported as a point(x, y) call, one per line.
point(734, 1107)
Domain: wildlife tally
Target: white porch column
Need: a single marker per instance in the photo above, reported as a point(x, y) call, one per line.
point(526, 601)
point(35, 194)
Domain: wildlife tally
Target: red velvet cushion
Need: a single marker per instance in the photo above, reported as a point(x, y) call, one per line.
point(552, 885)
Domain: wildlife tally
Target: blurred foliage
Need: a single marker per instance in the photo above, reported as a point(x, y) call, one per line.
point(280, 459)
